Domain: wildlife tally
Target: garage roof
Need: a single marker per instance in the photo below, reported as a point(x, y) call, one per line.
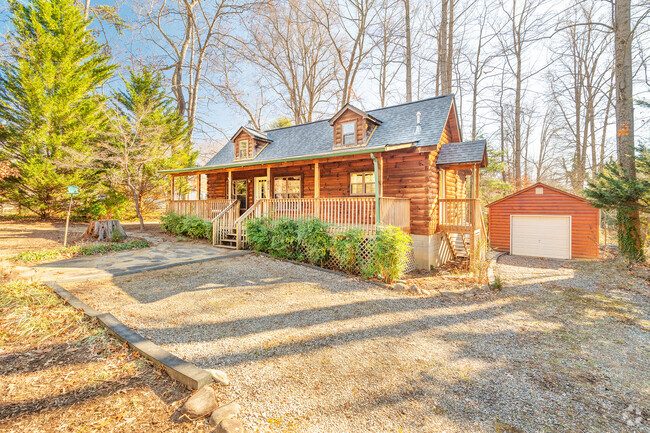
point(577, 197)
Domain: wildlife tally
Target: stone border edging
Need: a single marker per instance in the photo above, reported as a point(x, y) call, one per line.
point(151, 268)
point(331, 271)
point(184, 372)
point(490, 273)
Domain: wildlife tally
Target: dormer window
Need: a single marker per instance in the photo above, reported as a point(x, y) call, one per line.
point(243, 149)
point(349, 133)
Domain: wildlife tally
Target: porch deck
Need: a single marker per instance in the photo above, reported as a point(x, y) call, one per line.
point(340, 213)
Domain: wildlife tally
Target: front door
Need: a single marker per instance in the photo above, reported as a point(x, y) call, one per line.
point(239, 193)
point(261, 188)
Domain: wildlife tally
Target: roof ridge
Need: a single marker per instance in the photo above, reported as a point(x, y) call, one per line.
point(412, 102)
point(367, 111)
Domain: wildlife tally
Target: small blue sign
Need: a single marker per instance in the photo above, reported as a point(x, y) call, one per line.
point(73, 190)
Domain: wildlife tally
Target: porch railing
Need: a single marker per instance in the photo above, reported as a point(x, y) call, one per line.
point(340, 213)
point(204, 209)
point(464, 215)
point(224, 223)
point(457, 214)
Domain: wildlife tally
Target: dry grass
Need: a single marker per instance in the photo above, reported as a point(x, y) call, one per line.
point(62, 372)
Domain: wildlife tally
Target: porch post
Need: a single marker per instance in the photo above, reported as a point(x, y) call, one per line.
point(316, 180)
point(316, 189)
point(172, 198)
point(269, 182)
point(198, 186)
point(377, 196)
point(381, 175)
point(229, 186)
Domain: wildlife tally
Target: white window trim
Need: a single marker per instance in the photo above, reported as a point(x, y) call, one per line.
point(354, 133)
point(364, 183)
point(298, 178)
point(244, 142)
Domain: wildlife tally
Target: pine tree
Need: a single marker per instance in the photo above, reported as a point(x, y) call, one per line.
point(49, 103)
point(614, 190)
point(147, 134)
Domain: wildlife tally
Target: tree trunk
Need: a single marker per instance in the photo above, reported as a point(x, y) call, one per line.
point(104, 230)
point(450, 47)
point(442, 48)
point(409, 59)
point(629, 232)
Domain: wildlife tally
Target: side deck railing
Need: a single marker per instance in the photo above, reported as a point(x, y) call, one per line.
point(340, 214)
point(204, 209)
point(464, 215)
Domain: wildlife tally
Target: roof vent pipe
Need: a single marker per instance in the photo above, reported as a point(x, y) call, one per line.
point(418, 129)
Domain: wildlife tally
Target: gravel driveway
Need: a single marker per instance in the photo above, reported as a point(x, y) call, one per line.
point(564, 347)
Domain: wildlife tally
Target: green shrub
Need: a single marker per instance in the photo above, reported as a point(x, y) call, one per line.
point(185, 225)
point(284, 239)
point(346, 247)
point(259, 232)
point(315, 240)
point(389, 253)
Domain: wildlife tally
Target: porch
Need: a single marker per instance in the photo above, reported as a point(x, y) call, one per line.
point(340, 213)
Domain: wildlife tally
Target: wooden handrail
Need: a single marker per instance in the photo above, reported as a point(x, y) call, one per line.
point(239, 222)
point(220, 222)
point(340, 213)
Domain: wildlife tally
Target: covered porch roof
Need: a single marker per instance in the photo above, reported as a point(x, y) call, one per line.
point(461, 155)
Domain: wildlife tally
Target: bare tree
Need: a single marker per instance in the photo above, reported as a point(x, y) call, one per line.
point(478, 60)
point(521, 29)
point(346, 23)
point(408, 51)
point(295, 53)
point(580, 86)
point(185, 31)
point(386, 58)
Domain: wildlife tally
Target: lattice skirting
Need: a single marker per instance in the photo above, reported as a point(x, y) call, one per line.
point(332, 262)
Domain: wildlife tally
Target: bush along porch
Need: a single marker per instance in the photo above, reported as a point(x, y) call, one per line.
point(385, 255)
point(359, 172)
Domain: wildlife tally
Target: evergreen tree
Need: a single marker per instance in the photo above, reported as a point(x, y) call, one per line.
point(147, 134)
point(614, 190)
point(49, 105)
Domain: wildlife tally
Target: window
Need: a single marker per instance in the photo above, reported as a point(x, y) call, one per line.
point(362, 183)
point(286, 187)
point(349, 132)
point(243, 149)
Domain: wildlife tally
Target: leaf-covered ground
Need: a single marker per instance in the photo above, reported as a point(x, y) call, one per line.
point(61, 372)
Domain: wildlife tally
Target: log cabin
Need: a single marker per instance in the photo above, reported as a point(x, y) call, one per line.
point(405, 165)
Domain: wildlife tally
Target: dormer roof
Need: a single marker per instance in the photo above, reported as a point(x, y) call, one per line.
point(259, 135)
point(350, 107)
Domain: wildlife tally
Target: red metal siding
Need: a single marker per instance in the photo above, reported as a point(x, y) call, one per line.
point(585, 221)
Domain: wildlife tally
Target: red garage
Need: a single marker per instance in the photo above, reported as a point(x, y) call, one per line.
point(543, 221)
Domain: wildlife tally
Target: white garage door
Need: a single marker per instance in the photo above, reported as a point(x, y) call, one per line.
point(540, 236)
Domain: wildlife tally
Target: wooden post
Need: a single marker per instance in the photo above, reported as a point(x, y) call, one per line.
point(67, 222)
point(269, 183)
point(173, 189)
point(316, 180)
point(381, 175)
point(198, 186)
point(317, 189)
point(229, 185)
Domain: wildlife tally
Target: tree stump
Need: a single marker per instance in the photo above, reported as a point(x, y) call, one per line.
point(103, 230)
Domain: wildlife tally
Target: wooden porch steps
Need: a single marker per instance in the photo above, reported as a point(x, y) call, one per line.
point(459, 243)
